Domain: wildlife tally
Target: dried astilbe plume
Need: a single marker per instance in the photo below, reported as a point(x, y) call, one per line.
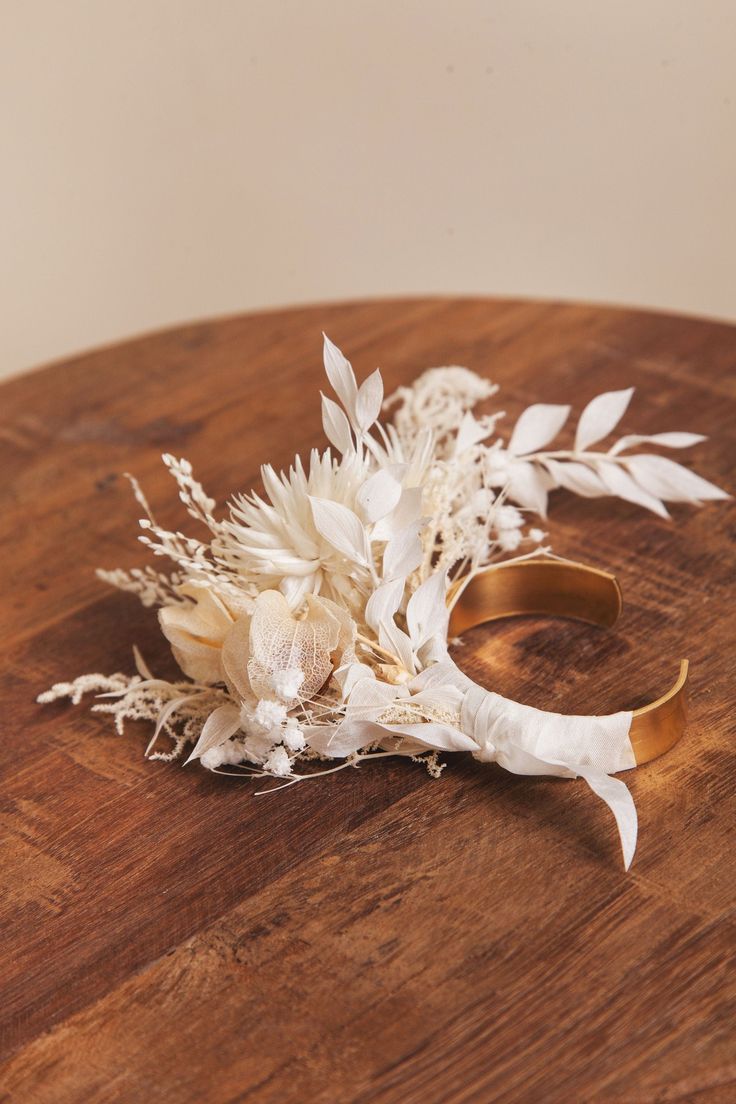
point(312, 622)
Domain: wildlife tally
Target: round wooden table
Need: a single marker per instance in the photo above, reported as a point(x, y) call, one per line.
point(377, 935)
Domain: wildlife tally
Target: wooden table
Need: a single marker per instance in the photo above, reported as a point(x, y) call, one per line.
point(377, 935)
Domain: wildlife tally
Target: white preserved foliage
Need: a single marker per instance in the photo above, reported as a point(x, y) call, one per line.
point(312, 619)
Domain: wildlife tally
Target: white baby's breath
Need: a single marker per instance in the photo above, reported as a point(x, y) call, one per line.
point(278, 763)
point(269, 714)
point(287, 683)
point(293, 736)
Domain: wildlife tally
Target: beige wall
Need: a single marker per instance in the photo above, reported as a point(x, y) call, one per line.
point(170, 159)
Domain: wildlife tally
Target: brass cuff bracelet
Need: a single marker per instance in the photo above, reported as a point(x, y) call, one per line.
point(561, 588)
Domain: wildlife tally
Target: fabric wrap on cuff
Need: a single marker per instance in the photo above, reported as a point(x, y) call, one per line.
point(529, 741)
point(599, 742)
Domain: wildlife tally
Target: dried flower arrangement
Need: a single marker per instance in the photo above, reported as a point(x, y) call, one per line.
point(312, 624)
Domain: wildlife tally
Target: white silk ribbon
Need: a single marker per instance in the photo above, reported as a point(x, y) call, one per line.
point(531, 741)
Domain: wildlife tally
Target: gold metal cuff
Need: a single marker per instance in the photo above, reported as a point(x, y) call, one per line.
point(562, 588)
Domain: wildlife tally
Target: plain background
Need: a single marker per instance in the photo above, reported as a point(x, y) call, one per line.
point(165, 160)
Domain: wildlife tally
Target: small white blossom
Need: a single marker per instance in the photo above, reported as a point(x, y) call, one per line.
point(270, 714)
point(233, 752)
point(213, 758)
point(293, 736)
point(509, 539)
point(248, 723)
point(285, 684)
point(278, 762)
point(259, 744)
point(508, 517)
point(537, 535)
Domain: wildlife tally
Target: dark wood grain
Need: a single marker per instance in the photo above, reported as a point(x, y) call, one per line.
point(376, 936)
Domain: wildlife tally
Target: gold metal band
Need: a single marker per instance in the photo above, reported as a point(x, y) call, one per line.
point(561, 588)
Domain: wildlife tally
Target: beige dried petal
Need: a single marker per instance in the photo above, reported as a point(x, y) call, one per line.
point(196, 633)
point(235, 652)
point(221, 724)
point(347, 630)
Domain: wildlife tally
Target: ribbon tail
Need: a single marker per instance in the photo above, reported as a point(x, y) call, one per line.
point(613, 791)
point(529, 741)
point(617, 797)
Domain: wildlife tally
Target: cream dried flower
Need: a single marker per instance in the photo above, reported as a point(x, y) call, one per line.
point(284, 541)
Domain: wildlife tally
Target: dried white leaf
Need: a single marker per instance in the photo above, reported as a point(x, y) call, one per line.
point(140, 664)
point(395, 640)
point(341, 376)
point(379, 495)
point(528, 487)
point(440, 696)
point(672, 482)
point(621, 484)
point(431, 734)
point(426, 611)
point(408, 511)
point(341, 528)
point(368, 402)
point(221, 724)
point(537, 426)
point(384, 603)
point(348, 675)
point(667, 440)
point(336, 425)
point(338, 741)
point(576, 477)
point(367, 701)
point(369, 698)
point(470, 432)
point(423, 449)
point(601, 416)
point(403, 553)
point(168, 711)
